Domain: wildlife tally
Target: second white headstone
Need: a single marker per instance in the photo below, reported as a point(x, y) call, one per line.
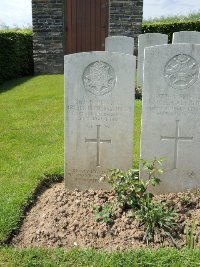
point(191, 37)
point(171, 112)
point(146, 40)
point(121, 44)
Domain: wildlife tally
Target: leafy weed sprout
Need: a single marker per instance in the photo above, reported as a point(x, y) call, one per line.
point(132, 194)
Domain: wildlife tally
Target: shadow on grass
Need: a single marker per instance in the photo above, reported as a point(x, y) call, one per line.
point(9, 85)
point(44, 184)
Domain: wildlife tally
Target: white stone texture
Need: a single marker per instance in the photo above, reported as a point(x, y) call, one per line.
point(146, 40)
point(171, 112)
point(99, 111)
point(191, 37)
point(121, 44)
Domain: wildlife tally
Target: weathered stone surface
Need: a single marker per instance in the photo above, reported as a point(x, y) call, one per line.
point(191, 37)
point(146, 40)
point(99, 100)
point(121, 44)
point(171, 111)
point(48, 24)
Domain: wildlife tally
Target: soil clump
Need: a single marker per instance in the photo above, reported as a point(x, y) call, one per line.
point(62, 218)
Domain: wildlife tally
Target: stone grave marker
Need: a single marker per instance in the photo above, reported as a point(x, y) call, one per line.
point(121, 44)
point(99, 104)
point(146, 40)
point(171, 112)
point(192, 37)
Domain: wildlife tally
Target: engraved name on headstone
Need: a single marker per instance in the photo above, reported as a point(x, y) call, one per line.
point(170, 115)
point(146, 40)
point(99, 104)
point(121, 44)
point(191, 37)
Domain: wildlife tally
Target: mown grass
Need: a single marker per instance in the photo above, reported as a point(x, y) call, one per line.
point(31, 141)
point(137, 129)
point(91, 258)
point(31, 144)
point(193, 16)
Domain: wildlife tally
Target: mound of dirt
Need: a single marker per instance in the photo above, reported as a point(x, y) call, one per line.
point(62, 218)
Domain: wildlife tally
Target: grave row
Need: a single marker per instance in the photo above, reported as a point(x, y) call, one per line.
point(123, 44)
point(99, 115)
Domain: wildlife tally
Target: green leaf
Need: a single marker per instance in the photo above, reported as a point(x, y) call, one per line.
point(155, 181)
point(160, 171)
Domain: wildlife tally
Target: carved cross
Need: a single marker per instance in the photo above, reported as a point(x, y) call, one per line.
point(98, 141)
point(176, 138)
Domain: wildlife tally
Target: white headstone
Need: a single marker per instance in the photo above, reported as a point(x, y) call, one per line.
point(146, 40)
point(99, 104)
point(121, 44)
point(171, 112)
point(191, 37)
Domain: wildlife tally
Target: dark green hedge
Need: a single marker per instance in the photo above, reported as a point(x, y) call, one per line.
point(170, 28)
point(16, 54)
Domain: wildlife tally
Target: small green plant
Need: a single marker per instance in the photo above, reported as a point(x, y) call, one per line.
point(132, 194)
point(104, 213)
point(128, 188)
point(189, 235)
point(153, 168)
point(184, 200)
point(157, 220)
point(131, 191)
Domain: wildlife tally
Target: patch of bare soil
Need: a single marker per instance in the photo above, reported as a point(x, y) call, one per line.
point(66, 219)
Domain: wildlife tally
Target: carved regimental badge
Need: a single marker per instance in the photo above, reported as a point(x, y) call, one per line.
point(181, 71)
point(99, 78)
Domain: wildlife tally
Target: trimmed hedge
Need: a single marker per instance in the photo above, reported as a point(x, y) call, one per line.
point(16, 54)
point(170, 28)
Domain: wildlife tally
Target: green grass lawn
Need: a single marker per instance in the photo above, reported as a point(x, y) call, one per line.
point(91, 258)
point(31, 141)
point(31, 145)
point(137, 128)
